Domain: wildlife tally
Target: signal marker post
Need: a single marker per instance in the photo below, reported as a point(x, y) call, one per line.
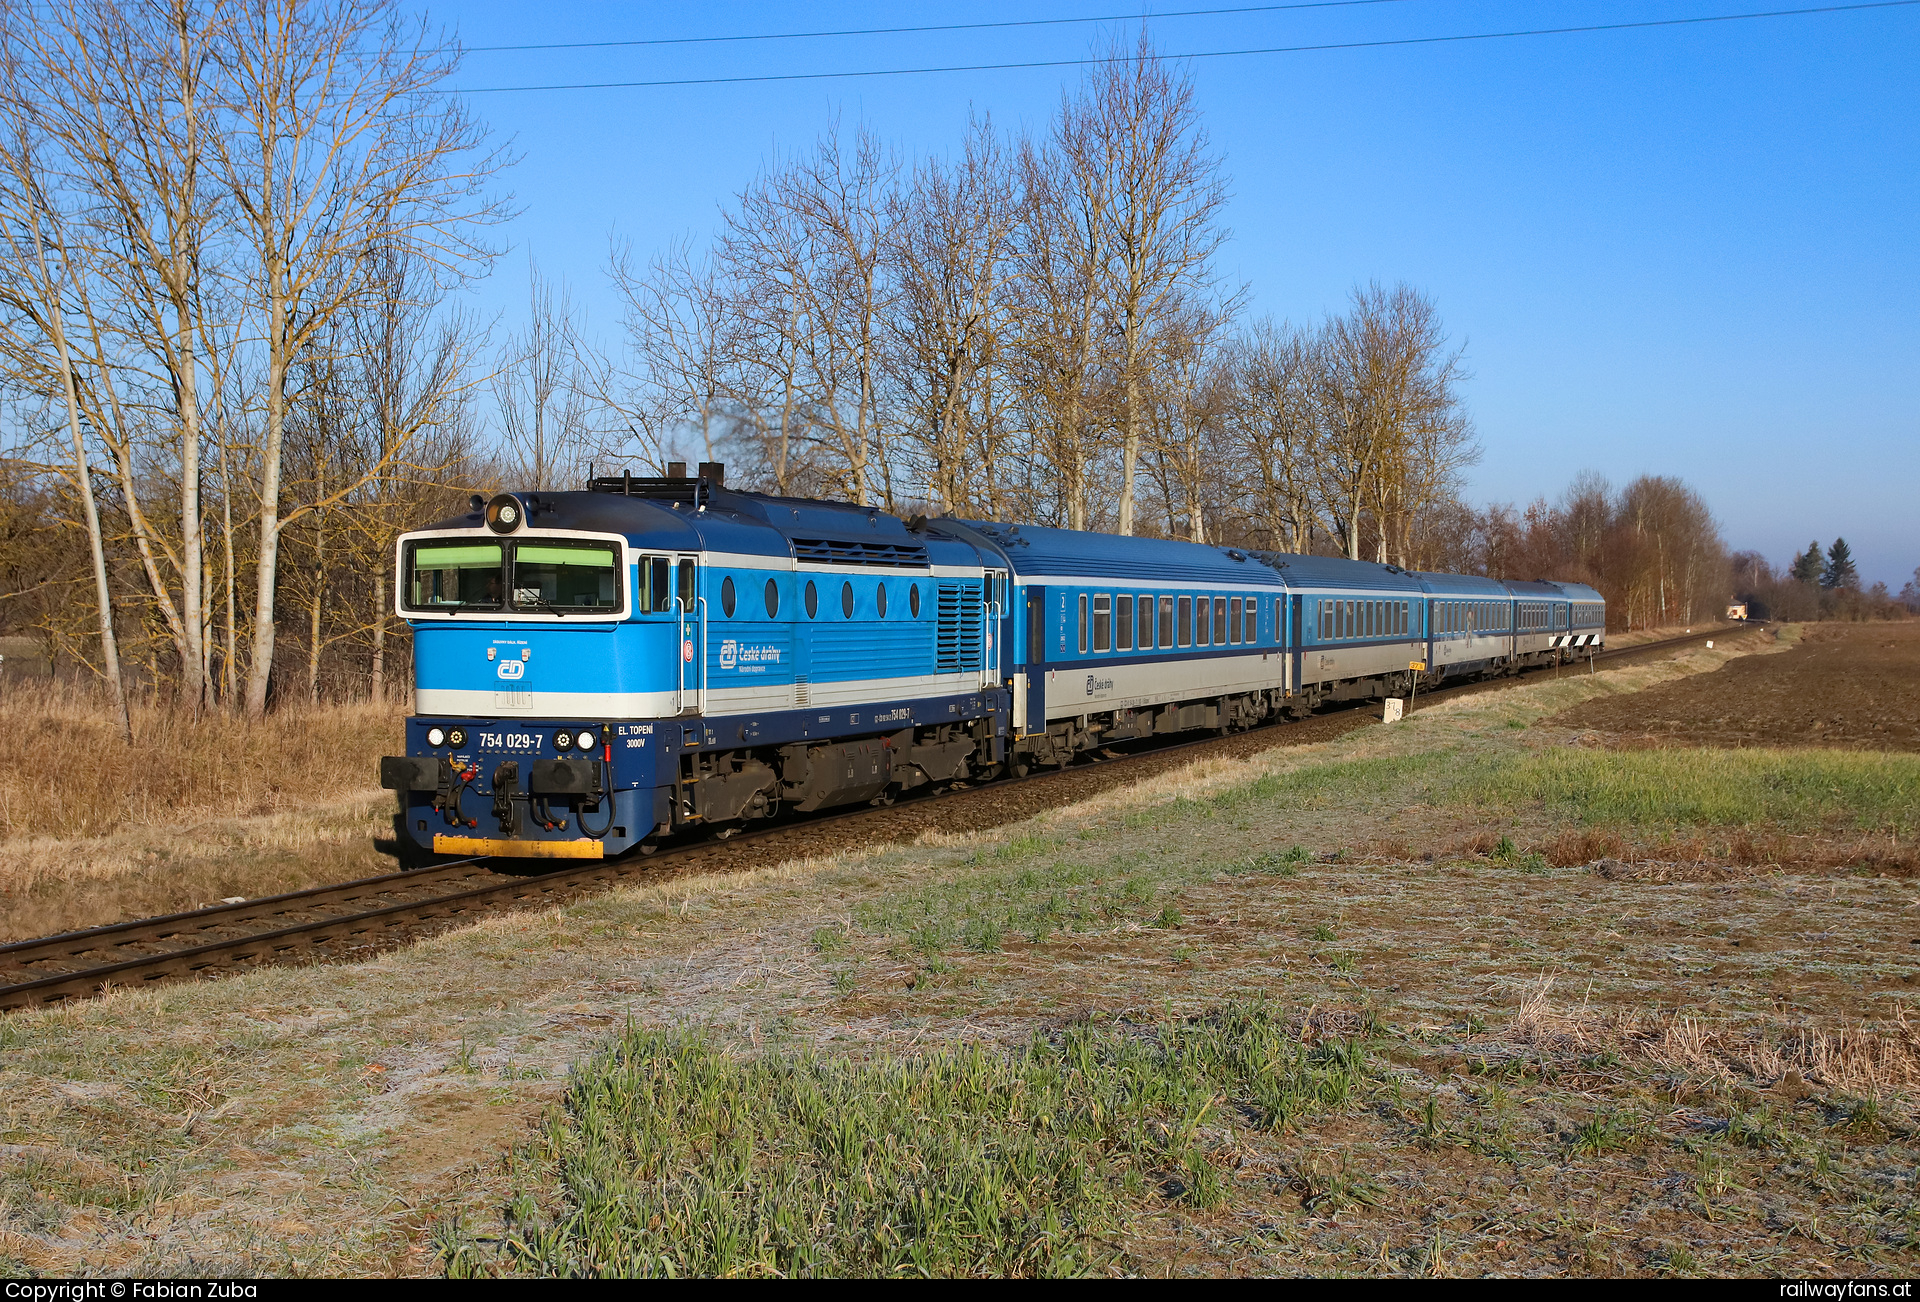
point(1414, 669)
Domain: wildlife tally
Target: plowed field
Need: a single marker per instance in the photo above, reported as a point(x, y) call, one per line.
point(1852, 686)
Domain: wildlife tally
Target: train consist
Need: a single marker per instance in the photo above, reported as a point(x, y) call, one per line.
point(595, 670)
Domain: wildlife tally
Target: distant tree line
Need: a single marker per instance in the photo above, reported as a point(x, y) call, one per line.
point(1818, 584)
point(233, 368)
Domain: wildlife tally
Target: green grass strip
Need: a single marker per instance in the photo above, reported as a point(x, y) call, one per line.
point(676, 1155)
point(1725, 788)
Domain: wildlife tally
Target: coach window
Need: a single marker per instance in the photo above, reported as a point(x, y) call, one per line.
point(1083, 621)
point(1219, 621)
point(846, 600)
point(726, 596)
point(1166, 622)
point(1185, 631)
point(1123, 623)
point(1202, 622)
point(913, 600)
point(1234, 620)
point(1103, 621)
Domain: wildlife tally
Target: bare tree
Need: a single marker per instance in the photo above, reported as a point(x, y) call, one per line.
point(34, 296)
point(1059, 349)
point(1133, 136)
point(836, 200)
point(543, 411)
point(1274, 428)
point(950, 235)
point(341, 144)
point(681, 326)
point(1394, 432)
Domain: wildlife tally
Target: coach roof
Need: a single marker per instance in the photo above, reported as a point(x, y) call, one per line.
point(1322, 573)
point(1072, 554)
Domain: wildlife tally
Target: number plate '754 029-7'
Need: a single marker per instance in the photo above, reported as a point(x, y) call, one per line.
point(511, 741)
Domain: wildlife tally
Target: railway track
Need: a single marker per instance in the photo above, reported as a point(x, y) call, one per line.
point(352, 918)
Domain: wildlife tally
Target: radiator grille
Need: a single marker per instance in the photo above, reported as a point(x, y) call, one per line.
point(838, 551)
point(959, 642)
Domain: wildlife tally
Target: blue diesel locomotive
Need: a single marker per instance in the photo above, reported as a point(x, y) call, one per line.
point(595, 670)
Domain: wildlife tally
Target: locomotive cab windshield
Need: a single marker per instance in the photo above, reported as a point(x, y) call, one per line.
point(528, 574)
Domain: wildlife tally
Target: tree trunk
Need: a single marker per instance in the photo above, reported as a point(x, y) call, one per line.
point(103, 595)
point(380, 637)
point(260, 665)
point(1130, 447)
point(83, 480)
point(319, 586)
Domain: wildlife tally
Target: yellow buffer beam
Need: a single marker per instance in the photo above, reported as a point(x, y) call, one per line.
point(482, 845)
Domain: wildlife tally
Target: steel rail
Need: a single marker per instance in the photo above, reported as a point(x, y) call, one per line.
point(204, 951)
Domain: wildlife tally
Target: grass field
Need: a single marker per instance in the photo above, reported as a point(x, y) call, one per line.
point(1305, 1014)
point(92, 831)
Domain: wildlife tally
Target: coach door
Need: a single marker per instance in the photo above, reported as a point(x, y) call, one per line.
point(1291, 638)
point(690, 608)
point(1030, 688)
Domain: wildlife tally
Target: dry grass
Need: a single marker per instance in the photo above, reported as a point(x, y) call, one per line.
point(65, 775)
point(1702, 1054)
point(92, 831)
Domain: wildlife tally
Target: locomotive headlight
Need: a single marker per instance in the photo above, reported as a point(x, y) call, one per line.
point(563, 741)
point(586, 740)
point(457, 737)
point(504, 513)
point(436, 737)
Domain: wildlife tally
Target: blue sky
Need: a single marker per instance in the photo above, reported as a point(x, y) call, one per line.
point(1687, 250)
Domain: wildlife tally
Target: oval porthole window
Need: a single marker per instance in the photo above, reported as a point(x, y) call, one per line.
point(773, 598)
point(880, 601)
point(846, 600)
point(726, 596)
point(813, 600)
point(913, 600)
